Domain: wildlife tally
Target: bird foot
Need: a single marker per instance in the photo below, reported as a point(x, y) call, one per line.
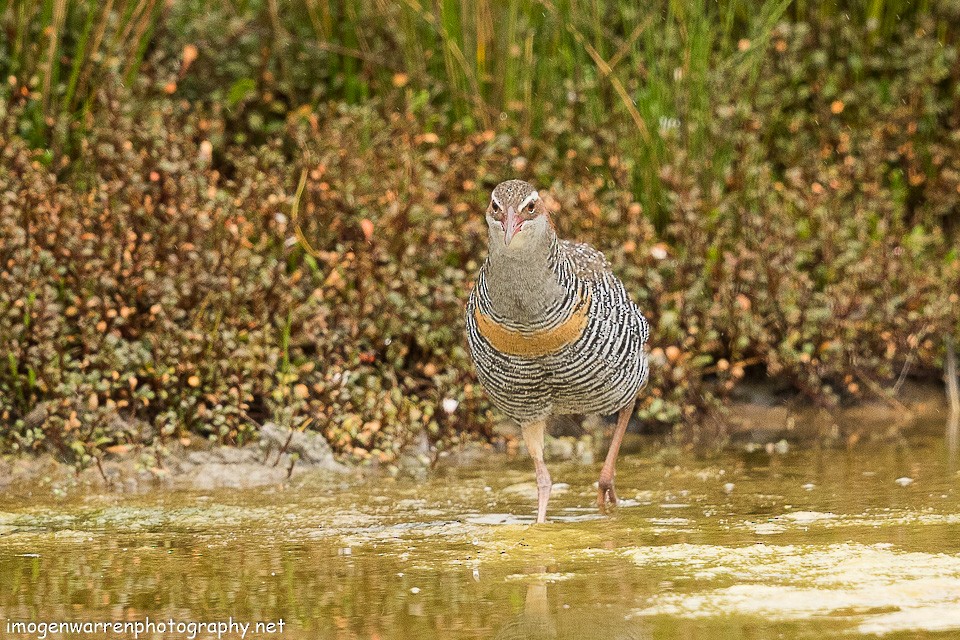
point(606, 494)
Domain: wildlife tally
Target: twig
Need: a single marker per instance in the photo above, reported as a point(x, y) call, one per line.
point(606, 71)
point(280, 38)
point(94, 48)
point(950, 374)
point(625, 47)
point(252, 421)
point(333, 47)
point(904, 371)
point(143, 24)
point(103, 473)
point(295, 217)
point(56, 29)
point(266, 455)
point(283, 450)
point(454, 51)
point(882, 393)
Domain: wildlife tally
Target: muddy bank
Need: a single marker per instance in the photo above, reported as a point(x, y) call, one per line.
point(278, 455)
point(759, 413)
point(758, 421)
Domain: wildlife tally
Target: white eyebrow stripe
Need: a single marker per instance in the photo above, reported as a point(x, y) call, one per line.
point(494, 198)
point(530, 198)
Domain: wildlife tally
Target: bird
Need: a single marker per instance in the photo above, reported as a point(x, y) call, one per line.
point(552, 331)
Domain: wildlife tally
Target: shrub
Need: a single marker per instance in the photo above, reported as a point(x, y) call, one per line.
point(153, 286)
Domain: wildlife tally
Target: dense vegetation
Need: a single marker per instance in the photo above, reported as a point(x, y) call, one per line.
point(778, 183)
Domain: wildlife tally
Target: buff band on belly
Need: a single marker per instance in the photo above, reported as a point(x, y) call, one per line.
point(536, 343)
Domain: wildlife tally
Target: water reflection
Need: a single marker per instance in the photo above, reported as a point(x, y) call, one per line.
point(536, 620)
point(544, 617)
point(953, 437)
point(731, 546)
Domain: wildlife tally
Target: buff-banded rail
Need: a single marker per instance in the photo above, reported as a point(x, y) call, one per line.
point(552, 331)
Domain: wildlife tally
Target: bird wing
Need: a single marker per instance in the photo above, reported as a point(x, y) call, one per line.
point(589, 264)
point(592, 267)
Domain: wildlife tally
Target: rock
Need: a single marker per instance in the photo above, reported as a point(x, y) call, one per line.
point(278, 454)
point(223, 455)
point(415, 459)
point(411, 465)
point(231, 476)
point(312, 448)
point(469, 453)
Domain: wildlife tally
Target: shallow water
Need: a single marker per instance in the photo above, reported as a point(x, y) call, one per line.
point(742, 545)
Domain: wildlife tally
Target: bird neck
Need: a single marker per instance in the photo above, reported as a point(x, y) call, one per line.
point(523, 286)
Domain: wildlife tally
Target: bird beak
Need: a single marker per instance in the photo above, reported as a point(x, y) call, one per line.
point(511, 225)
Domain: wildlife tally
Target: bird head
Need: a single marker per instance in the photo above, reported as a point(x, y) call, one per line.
point(517, 217)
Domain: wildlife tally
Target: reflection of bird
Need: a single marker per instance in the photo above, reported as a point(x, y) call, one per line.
point(552, 331)
point(536, 621)
point(539, 622)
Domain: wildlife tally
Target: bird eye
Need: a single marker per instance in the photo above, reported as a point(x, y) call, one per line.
point(532, 207)
point(496, 207)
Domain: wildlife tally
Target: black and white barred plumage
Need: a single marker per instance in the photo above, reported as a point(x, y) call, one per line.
point(553, 331)
point(600, 371)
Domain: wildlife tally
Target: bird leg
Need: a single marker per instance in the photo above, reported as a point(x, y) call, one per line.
point(533, 438)
point(605, 490)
